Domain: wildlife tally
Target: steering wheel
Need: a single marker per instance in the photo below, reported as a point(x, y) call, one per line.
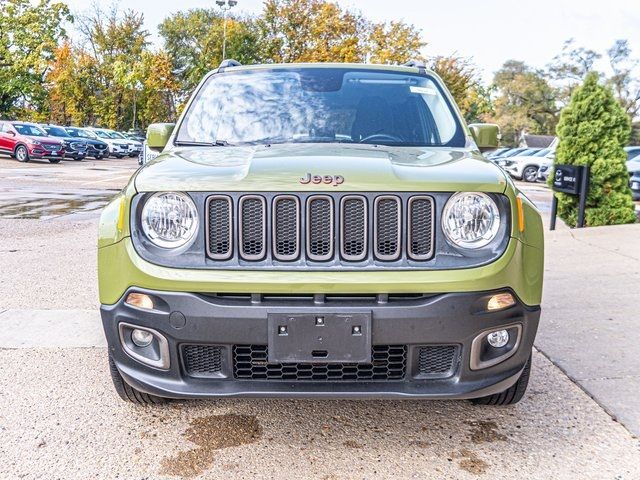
point(381, 136)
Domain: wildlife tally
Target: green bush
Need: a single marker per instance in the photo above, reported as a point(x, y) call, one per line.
point(593, 129)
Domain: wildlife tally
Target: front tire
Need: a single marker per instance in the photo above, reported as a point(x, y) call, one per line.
point(511, 395)
point(127, 392)
point(530, 174)
point(22, 154)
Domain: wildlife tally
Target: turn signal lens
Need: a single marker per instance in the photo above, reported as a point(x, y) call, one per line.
point(500, 302)
point(139, 300)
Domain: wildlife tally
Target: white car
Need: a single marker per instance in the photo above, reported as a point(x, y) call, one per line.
point(525, 167)
point(119, 145)
point(117, 148)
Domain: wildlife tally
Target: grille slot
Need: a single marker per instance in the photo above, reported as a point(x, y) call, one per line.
point(438, 361)
point(320, 228)
point(202, 360)
point(220, 230)
point(419, 228)
point(250, 362)
point(286, 227)
point(354, 226)
point(252, 231)
point(387, 227)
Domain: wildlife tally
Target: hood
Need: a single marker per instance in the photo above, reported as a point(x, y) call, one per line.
point(279, 168)
point(48, 140)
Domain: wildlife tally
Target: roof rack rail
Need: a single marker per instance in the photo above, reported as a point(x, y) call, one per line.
point(414, 63)
point(230, 62)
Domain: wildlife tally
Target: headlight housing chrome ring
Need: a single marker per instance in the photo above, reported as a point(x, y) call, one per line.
point(170, 219)
point(470, 220)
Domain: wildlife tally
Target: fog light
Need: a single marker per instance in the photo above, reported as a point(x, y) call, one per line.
point(500, 301)
point(142, 338)
point(498, 339)
point(140, 300)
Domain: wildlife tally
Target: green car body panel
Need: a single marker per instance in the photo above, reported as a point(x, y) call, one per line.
point(278, 168)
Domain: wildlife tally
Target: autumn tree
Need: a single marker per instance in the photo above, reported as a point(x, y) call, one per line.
point(116, 40)
point(593, 129)
point(463, 81)
point(29, 35)
point(310, 31)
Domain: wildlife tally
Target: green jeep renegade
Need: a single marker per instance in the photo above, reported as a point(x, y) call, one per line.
point(321, 230)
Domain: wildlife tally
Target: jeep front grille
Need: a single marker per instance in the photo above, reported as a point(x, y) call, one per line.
point(320, 229)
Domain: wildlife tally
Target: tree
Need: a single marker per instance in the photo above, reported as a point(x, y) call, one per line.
point(193, 42)
point(462, 79)
point(116, 40)
point(525, 102)
point(310, 31)
point(394, 42)
point(593, 130)
point(29, 35)
point(322, 31)
point(625, 84)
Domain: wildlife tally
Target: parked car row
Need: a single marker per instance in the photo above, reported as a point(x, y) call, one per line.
point(535, 164)
point(523, 163)
point(25, 141)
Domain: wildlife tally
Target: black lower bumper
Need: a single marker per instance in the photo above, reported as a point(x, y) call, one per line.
point(232, 323)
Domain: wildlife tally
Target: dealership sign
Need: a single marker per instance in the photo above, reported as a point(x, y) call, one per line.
point(572, 180)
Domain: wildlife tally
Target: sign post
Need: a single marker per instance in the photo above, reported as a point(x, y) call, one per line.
point(572, 180)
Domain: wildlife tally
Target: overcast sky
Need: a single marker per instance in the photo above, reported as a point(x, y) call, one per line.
point(489, 31)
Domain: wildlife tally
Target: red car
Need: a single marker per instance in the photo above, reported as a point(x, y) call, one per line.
point(26, 141)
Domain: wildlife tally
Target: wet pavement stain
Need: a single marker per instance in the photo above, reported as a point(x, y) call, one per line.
point(485, 432)
point(470, 462)
point(211, 433)
point(44, 207)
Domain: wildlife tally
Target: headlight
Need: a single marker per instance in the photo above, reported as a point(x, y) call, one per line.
point(35, 142)
point(470, 220)
point(169, 219)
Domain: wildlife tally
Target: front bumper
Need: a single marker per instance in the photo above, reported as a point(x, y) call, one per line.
point(39, 153)
point(224, 321)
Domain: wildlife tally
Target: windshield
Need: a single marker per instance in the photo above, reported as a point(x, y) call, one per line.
point(102, 134)
point(117, 135)
point(542, 152)
point(31, 130)
point(321, 105)
point(56, 131)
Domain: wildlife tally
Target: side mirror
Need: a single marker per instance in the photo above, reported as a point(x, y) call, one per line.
point(486, 135)
point(158, 135)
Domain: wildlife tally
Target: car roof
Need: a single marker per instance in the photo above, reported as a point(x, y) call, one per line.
point(345, 66)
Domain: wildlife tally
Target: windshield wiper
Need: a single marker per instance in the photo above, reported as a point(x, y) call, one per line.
point(217, 143)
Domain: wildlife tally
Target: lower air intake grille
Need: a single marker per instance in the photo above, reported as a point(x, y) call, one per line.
point(202, 360)
point(438, 361)
point(388, 363)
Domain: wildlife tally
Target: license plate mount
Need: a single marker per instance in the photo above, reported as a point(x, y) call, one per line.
point(319, 338)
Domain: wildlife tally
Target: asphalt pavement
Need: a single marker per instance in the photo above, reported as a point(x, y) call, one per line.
point(60, 418)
